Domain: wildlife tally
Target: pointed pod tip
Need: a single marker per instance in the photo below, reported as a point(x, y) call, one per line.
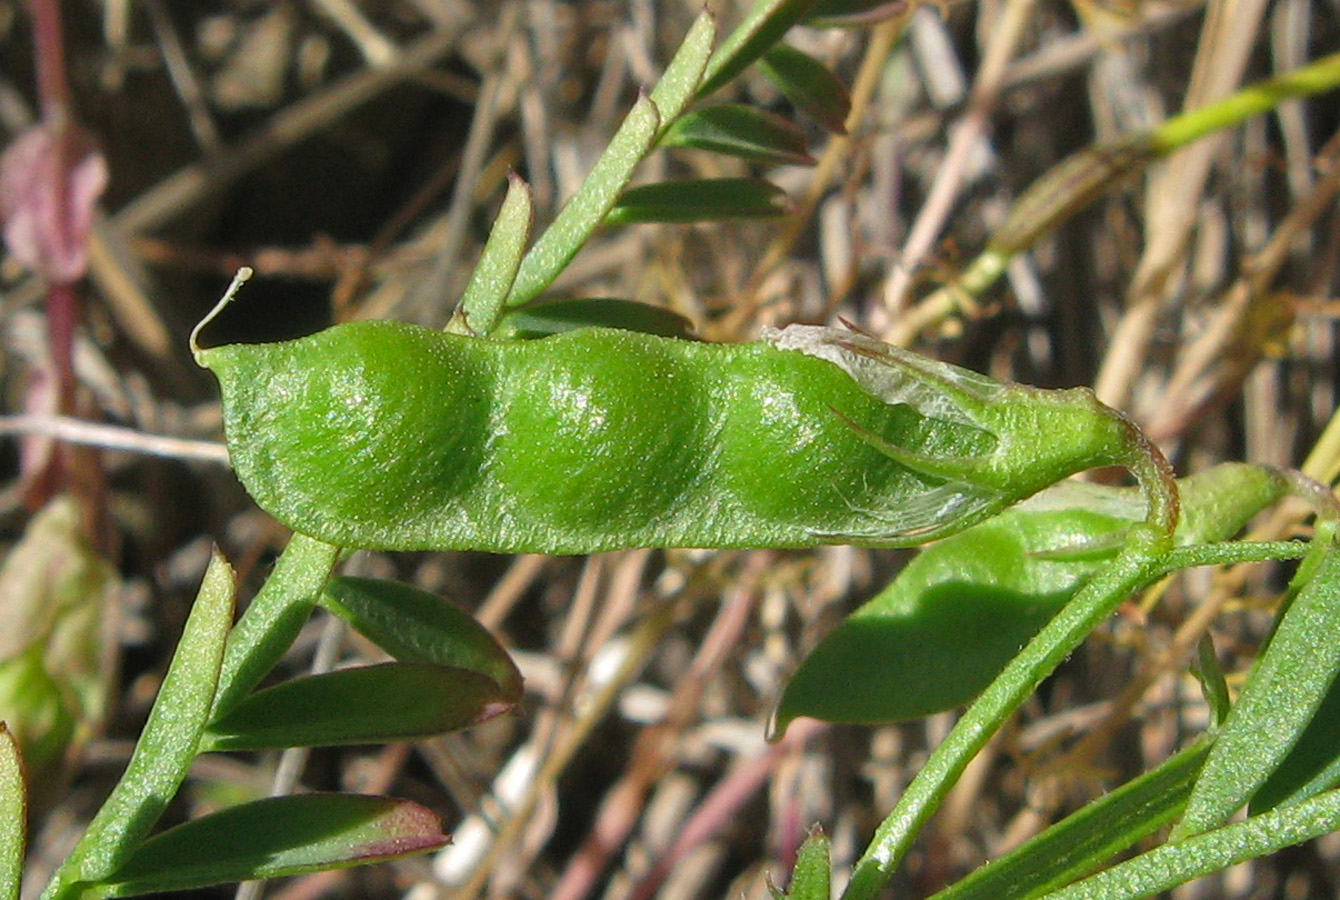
point(242, 277)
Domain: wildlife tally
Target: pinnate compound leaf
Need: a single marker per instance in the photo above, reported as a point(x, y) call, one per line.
point(537, 320)
point(808, 84)
point(275, 837)
point(416, 627)
point(364, 705)
point(705, 200)
point(1280, 700)
point(743, 131)
point(13, 815)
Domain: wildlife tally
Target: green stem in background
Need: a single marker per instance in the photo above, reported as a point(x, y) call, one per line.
point(273, 619)
point(1075, 182)
point(167, 745)
point(1322, 75)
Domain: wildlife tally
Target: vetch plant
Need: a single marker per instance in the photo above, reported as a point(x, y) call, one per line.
point(528, 426)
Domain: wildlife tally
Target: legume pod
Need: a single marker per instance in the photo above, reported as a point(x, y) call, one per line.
point(392, 436)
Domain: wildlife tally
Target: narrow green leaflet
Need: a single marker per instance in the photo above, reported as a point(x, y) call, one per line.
point(1088, 838)
point(275, 837)
point(364, 705)
point(537, 320)
point(743, 131)
point(1164, 868)
point(813, 875)
point(492, 279)
point(706, 200)
point(1313, 765)
point(13, 816)
point(587, 208)
point(763, 27)
point(168, 744)
point(1282, 697)
point(808, 84)
point(414, 626)
point(951, 620)
point(854, 13)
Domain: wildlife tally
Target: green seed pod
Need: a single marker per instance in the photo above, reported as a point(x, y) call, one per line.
point(388, 435)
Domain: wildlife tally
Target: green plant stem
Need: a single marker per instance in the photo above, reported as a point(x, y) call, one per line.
point(1173, 864)
point(272, 621)
point(13, 815)
point(1231, 553)
point(167, 745)
point(1139, 562)
point(1314, 78)
point(1075, 182)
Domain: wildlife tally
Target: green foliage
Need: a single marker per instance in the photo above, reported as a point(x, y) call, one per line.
point(364, 705)
point(743, 131)
point(707, 200)
point(167, 745)
point(1287, 687)
point(417, 627)
point(529, 427)
point(13, 815)
point(1088, 838)
point(811, 879)
point(275, 837)
point(961, 609)
point(808, 84)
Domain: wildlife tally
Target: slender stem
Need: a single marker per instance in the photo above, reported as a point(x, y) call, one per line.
point(272, 621)
point(1322, 75)
point(1232, 553)
point(1138, 563)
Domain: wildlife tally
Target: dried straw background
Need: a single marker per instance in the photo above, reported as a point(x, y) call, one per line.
point(354, 156)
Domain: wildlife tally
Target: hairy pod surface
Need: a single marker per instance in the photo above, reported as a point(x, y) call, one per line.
point(392, 436)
